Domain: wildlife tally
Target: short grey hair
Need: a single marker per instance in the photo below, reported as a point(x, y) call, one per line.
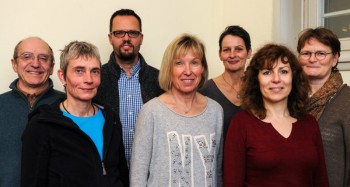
point(75, 50)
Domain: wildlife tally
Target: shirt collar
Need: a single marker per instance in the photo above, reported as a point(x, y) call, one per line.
point(32, 97)
point(135, 69)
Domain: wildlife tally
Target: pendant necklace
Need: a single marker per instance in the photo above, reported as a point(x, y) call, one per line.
point(238, 96)
point(176, 102)
point(71, 114)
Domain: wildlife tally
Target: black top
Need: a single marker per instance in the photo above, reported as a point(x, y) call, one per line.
point(211, 90)
point(55, 152)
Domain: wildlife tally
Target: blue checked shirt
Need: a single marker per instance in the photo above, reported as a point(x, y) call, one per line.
point(130, 105)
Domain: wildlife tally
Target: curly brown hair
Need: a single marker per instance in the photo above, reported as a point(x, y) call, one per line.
point(266, 58)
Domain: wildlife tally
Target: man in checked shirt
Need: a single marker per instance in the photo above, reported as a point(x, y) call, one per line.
point(127, 81)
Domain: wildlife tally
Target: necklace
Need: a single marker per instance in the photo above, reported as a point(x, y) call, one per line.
point(237, 93)
point(176, 102)
point(70, 113)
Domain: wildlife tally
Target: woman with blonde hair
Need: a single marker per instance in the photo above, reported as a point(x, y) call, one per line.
point(178, 134)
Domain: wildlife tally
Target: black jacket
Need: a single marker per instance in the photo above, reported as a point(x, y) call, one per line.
point(108, 92)
point(55, 152)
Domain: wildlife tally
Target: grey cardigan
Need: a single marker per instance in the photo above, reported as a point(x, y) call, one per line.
point(335, 130)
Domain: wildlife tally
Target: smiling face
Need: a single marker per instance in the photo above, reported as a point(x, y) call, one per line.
point(82, 78)
point(317, 68)
point(32, 72)
point(126, 48)
point(187, 73)
point(234, 53)
point(276, 83)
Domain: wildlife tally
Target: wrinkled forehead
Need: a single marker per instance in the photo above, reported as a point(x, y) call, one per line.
point(34, 45)
point(84, 61)
point(314, 42)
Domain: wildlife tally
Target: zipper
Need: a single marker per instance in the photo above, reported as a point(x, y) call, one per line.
point(104, 169)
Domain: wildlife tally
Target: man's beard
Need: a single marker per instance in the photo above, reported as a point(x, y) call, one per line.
point(126, 56)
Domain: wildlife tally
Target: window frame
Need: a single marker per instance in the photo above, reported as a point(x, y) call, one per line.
point(313, 16)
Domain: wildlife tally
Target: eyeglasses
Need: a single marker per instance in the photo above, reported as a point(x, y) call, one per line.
point(320, 55)
point(42, 58)
point(121, 34)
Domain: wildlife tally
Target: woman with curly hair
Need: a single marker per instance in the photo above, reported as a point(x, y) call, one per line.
point(274, 142)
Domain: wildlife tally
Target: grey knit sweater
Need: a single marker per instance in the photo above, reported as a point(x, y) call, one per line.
point(171, 150)
point(335, 130)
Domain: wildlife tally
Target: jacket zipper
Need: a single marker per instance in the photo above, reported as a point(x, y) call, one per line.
point(104, 169)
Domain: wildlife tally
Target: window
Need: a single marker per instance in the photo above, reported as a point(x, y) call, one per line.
point(335, 15)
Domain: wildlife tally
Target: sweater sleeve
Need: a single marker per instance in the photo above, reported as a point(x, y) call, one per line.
point(347, 153)
point(35, 155)
point(219, 162)
point(219, 168)
point(234, 154)
point(142, 148)
point(320, 177)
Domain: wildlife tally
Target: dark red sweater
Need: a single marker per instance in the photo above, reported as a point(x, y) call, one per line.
point(256, 154)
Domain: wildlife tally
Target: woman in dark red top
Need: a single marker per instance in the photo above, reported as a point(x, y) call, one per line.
point(273, 142)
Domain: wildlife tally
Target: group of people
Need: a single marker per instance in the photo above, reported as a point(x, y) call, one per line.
point(281, 121)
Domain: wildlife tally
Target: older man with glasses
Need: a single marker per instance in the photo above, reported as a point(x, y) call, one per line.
point(127, 81)
point(33, 61)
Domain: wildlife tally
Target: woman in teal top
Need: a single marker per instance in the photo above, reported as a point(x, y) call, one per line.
point(74, 142)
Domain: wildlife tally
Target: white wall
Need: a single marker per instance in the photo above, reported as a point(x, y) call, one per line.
point(59, 22)
point(256, 16)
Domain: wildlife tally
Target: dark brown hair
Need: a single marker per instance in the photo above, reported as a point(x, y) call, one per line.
point(236, 30)
point(323, 35)
point(266, 58)
point(124, 12)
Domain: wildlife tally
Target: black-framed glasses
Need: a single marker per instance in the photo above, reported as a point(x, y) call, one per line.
point(131, 33)
point(27, 56)
point(320, 55)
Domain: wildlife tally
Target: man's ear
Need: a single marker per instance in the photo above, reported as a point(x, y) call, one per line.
point(14, 65)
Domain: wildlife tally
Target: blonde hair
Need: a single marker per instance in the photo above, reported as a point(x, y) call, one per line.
point(179, 47)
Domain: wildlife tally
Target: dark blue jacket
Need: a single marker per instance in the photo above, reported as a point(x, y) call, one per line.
point(14, 112)
point(108, 92)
